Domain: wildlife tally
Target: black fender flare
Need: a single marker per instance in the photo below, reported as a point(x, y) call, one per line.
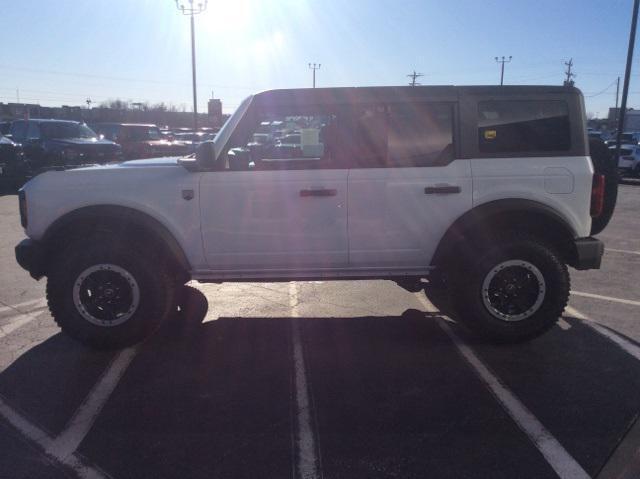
point(118, 219)
point(481, 223)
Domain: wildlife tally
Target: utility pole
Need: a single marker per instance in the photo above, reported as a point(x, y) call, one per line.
point(502, 61)
point(314, 67)
point(88, 102)
point(413, 77)
point(617, 94)
point(568, 81)
point(18, 95)
point(627, 77)
point(188, 8)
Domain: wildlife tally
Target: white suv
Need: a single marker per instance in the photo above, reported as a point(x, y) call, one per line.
point(489, 190)
point(629, 161)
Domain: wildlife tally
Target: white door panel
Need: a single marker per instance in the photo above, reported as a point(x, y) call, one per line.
point(260, 219)
point(394, 222)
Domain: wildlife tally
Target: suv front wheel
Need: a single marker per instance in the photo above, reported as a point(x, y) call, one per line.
point(108, 296)
point(515, 291)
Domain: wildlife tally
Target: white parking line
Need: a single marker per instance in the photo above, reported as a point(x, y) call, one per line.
point(307, 465)
point(42, 439)
point(606, 298)
point(562, 324)
point(627, 346)
point(17, 321)
point(622, 251)
point(37, 303)
point(80, 424)
point(558, 458)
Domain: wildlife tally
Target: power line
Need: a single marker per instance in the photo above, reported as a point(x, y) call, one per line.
point(603, 90)
point(123, 79)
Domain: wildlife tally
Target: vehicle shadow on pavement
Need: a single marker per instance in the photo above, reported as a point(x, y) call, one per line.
point(8, 190)
point(390, 396)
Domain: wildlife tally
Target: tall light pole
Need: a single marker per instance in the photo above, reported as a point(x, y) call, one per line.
point(314, 67)
point(189, 8)
point(502, 62)
point(627, 77)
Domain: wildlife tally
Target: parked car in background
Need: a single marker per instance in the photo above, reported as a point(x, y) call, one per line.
point(261, 145)
point(596, 134)
point(193, 140)
point(140, 140)
point(5, 128)
point(288, 146)
point(629, 161)
point(13, 169)
point(627, 138)
point(59, 144)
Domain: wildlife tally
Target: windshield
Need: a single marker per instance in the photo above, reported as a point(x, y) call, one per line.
point(53, 130)
point(142, 133)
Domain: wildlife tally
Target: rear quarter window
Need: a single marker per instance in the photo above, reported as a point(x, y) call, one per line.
point(523, 126)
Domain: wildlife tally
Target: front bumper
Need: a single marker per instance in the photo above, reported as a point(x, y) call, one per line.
point(589, 253)
point(30, 256)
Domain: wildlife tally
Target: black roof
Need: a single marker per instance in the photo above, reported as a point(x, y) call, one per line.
point(401, 93)
point(51, 120)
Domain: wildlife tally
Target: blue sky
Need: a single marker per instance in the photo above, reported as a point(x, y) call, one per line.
point(61, 52)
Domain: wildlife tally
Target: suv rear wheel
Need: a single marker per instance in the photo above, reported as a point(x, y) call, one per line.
point(515, 291)
point(108, 297)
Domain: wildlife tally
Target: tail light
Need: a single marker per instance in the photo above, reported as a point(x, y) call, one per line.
point(597, 196)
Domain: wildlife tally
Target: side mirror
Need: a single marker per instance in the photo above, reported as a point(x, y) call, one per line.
point(206, 154)
point(239, 159)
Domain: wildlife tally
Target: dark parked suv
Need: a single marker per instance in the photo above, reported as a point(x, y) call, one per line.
point(54, 144)
point(12, 164)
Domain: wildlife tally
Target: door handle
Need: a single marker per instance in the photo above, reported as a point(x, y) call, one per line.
point(318, 192)
point(442, 190)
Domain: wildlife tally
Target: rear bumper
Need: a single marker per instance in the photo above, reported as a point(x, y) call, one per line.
point(589, 253)
point(30, 256)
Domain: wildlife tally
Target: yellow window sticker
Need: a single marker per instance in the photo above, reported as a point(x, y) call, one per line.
point(489, 134)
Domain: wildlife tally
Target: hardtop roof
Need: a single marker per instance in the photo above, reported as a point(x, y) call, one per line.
point(341, 95)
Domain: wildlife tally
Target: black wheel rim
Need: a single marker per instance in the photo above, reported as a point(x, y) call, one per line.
point(106, 295)
point(513, 290)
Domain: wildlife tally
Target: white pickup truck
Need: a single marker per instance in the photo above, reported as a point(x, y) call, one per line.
point(487, 190)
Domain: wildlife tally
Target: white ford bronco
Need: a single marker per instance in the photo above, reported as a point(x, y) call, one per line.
point(487, 191)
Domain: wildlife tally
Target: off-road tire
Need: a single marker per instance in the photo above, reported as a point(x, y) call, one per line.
point(467, 290)
point(156, 290)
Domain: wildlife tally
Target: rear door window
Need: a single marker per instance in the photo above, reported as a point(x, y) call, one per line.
point(399, 135)
point(515, 126)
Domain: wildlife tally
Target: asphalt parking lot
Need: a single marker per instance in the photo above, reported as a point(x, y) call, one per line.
point(327, 379)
